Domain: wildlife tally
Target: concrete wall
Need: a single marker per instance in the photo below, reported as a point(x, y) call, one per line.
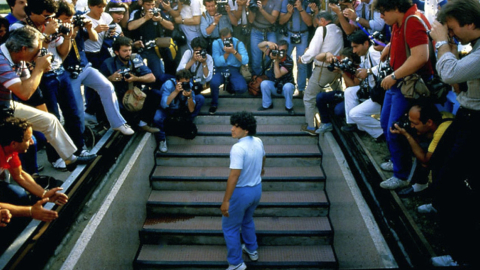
point(110, 240)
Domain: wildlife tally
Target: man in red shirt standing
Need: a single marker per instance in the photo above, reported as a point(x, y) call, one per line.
point(395, 12)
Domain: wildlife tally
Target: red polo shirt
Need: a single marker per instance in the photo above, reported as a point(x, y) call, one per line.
point(416, 35)
point(10, 161)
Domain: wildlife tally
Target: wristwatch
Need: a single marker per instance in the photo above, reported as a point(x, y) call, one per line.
point(393, 76)
point(440, 44)
point(369, 71)
point(357, 19)
point(214, 24)
point(183, 21)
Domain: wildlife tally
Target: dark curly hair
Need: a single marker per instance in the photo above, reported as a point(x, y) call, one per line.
point(465, 12)
point(13, 130)
point(391, 5)
point(246, 121)
point(199, 42)
point(38, 6)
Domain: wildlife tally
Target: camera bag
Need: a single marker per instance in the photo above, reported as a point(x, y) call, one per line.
point(134, 98)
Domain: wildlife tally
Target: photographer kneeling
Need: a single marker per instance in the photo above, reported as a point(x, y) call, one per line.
point(280, 77)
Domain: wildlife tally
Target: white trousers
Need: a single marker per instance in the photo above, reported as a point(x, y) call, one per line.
point(361, 113)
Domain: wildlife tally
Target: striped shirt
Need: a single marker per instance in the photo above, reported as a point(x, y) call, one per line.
point(10, 74)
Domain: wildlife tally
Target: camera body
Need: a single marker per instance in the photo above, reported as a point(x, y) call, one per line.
point(197, 86)
point(62, 29)
point(228, 42)
point(292, 2)
point(379, 36)
point(404, 122)
point(295, 38)
point(384, 70)
point(364, 92)
point(279, 87)
point(74, 70)
point(78, 20)
point(112, 27)
point(186, 86)
point(125, 73)
point(221, 4)
point(279, 53)
point(253, 6)
point(345, 65)
point(246, 30)
point(338, 96)
point(147, 46)
point(155, 11)
point(203, 53)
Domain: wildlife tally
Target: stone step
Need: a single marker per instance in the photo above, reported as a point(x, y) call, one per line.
point(207, 203)
point(207, 230)
point(262, 130)
point(278, 110)
point(252, 101)
point(224, 161)
point(193, 257)
point(261, 120)
point(223, 138)
point(215, 178)
point(192, 150)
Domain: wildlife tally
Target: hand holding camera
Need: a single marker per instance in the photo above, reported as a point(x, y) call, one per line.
point(51, 27)
point(439, 32)
point(350, 14)
point(101, 28)
point(44, 60)
point(217, 18)
point(361, 74)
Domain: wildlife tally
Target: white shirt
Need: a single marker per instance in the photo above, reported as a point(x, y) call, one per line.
point(333, 43)
point(372, 56)
point(95, 46)
point(247, 155)
point(199, 76)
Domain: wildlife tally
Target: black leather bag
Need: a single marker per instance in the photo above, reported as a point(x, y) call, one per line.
point(178, 36)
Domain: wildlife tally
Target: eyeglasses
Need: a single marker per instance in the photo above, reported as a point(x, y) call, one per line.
point(48, 17)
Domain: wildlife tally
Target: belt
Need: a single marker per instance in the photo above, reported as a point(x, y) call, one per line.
point(92, 53)
point(298, 32)
point(264, 30)
point(320, 66)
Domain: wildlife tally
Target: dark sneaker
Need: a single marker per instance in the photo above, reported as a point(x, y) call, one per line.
point(264, 109)
point(290, 111)
point(349, 128)
point(81, 160)
point(305, 129)
point(212, 110)
point(380, 139)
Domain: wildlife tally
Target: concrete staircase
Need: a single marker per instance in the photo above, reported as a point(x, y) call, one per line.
point(183, 227)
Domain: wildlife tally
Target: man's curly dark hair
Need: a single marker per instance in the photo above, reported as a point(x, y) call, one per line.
point(391, 5)
point(13, 129)
point(246, 121)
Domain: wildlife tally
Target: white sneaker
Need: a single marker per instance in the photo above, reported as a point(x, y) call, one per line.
point(59, 165)
point(252, 255)
point(90, 119)
point(163, 146)
point(394, 183)
point(241, 266)
point(443, 261)
point(125, 129)
point(84, 153)
point(427, 209)
point(324, 128)
point(387, 166)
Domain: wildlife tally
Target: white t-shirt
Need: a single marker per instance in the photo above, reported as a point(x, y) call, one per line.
point(95, 46)
point(247, 155)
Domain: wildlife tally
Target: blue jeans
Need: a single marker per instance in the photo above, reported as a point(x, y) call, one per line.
point(394, 106)
point(243, 203)
point(257, 36)
point(326, 98)
point(91, 77)
point(268, 88)
point(161, 114)
point(302, 69)
point(57, 90)
point(237, 83)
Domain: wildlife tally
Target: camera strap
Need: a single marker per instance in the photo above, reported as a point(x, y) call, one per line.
point(75, 48)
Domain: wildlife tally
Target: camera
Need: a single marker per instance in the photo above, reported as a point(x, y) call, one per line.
point(364, 92)
point(338, 96)
point(155, 11)
point(279, 87)
point(125, 73)
point(283, 31)
point(253, 7)
point(279, 53)
point(79, 20)
point(221, 4)
point(246, 30)
point(147, 46)
point(296, 38)
point(378, 36)
point(186, 86)
point(5, 110)
point(404, 123)
point(226, 83)
point(203, 53)
point(186, 2)
point(111, 31)
point(228, 42)
point(384, 70)
point(345, 65)
point(197, 86)
point(74, 70)
point(292, 2)
point(62, 29)
point(43, 51)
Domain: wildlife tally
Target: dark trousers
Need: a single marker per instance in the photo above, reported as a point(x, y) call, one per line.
point(57, 91)
point(237, 82)
point(326, 99)
point(456, 186)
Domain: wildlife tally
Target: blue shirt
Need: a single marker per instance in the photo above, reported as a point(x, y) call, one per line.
point(231, 61)
point(296, 24)
point(206, 20)
point(167, 88)
point(72, 55)
point(247, 155)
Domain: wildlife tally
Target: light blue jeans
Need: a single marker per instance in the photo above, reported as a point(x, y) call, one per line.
point(268, 88)
point(91, 77)
point(243, 203)
point(256, 36)
point(301, 68)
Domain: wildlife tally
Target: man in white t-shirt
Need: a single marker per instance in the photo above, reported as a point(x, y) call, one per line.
point(244, 190)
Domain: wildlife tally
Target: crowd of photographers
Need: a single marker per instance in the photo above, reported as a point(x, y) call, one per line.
point(146, 63)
